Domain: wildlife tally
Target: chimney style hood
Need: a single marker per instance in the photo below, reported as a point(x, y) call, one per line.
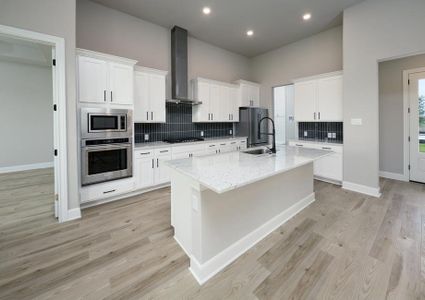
point(179, 77)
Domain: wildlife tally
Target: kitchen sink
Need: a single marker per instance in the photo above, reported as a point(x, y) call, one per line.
point(258, 151)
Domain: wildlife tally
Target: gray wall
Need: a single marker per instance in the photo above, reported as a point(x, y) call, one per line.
point(391, 119)
point(54, 17)
point(374, 30)
point(318, 54)
point(26, 114)
point(102, 29)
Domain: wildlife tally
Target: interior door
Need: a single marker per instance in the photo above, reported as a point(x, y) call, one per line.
point(141, 97)
point(417, 126)
point(121, 83)
point(92, 80)
point(157, 97)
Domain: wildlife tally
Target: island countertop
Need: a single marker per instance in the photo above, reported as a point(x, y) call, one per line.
point(228, 171)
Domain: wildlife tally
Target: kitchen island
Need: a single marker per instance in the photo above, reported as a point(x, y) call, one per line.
point(222, 205)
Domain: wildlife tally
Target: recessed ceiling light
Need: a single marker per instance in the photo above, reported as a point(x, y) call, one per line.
point(206, 10)
point(307, 17)
point(250, 33)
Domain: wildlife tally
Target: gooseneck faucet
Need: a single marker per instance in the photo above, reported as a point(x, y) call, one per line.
point(273, 149)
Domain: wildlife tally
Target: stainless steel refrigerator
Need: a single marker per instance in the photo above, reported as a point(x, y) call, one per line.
point(248, 125)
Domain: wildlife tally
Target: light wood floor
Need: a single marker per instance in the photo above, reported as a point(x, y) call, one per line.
point(343, 246)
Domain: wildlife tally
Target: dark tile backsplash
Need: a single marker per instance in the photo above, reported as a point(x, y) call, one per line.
point(179, 125)
point(319, 131)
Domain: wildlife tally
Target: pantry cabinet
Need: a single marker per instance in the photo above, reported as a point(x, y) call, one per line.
point(149, 95)
point(248, 93)
point(319, 99)
point(104, 78)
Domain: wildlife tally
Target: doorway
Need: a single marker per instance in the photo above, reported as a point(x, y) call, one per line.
point(416, 96)
point(283, 113)
point(35, 60)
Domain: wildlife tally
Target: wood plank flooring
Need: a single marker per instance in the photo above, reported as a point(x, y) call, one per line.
point(343, 246)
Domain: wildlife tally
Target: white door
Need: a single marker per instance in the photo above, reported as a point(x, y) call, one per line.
point(92, 80)
point(121, 83)
point(144, 168)
point(417, 126)
point(305, 101)
point(329, 99)
point(141, 97)
point(214, 102)
point(161, 172)
point(157, 97)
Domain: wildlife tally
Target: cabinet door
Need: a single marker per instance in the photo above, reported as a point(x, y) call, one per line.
point(255, 95)
point(144, 168)
point(224, 105)
point(305, 101)
point(215, 102)
point(121, 83)
point(329, 99)
point(211, 149)
point(92, 80)
point(157, 98)
point(180, 155)
point(161, 172)
point(329, 167)
point(141, 98)
point(201, 112)
point(233, 103)
point(245, 95)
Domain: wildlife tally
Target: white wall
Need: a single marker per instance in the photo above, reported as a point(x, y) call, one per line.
point(391, 118)
point(102, 29)
point(374, 30)
point(26, 117)
point(54, 17)
point(321, 53)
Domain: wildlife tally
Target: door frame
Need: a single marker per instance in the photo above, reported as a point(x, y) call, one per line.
point(59, 99)
point(406, 121)
point(273, 105)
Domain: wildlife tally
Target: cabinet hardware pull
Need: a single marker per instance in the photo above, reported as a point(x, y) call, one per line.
point(319, 115)
point(152, 115)
point(157, 163)
point(111, 96)
point(326, 148)
point(298, 145)
point(163, 151)
point(147, 115)
point(152, 163)
point(104, 95)
point(107, 192)
point(211, 145)
point(208, 116)
point(212, 116)
point(144, 153)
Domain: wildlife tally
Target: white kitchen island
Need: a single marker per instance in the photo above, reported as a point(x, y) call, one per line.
point(222, 205)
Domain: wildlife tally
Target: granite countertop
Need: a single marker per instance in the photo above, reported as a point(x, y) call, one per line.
point(154, 145)
point(228, 171)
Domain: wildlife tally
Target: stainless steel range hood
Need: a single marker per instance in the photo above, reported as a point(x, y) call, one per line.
point(179, 78)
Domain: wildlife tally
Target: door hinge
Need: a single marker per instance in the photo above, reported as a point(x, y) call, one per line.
point(55, 152)
point(54, 62)
point(55, 107)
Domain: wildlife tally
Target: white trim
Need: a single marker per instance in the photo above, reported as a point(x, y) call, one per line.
point(105, 56)
point(391, 175)
point(406, 121)
point(363, 189)
point(74, 213)
point(319, 76)
point(59, 87)
point(19, 168)
point(203, 272)
point(150, 70)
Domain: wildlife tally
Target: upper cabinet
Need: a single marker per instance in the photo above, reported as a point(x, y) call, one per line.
point(219, 101)
point(249, 93)
point(319, 99)
point(149, 95)
point(104, 78)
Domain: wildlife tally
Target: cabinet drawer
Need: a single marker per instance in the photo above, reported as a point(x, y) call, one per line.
point(189, 148)
point(106, 190)
point(162, 151)
point(143, 153)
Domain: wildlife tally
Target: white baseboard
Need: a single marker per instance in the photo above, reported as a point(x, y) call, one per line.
point(181, 245)
point(73, 214)
point(26, 167)
point(203, 272)
point(363, 189)
point(395, 176)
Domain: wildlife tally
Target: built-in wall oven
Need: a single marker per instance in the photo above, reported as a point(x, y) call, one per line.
point(106, 145)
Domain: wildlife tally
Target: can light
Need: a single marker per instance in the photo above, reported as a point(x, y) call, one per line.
point(250, 33)
point(307, 17)
point(206, 10)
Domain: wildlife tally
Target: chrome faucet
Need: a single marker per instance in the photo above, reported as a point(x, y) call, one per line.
point(273, 149)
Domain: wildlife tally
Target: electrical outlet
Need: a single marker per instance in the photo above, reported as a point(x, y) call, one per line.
point(329, 135)
point(202, 133)
point(146, 137)
point(334, 135)
point(305, 133)
point(230, 131)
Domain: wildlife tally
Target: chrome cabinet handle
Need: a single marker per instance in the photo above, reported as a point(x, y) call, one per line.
point(147, 116)
point(157, 163)
point(107, 192)
point(319, 115)
point(104, 95)
point(144, 153)
point(111, 96)
point(326, 148)
point(152, 115)
point(152, 163)
point(298, 145)
point(163, 151)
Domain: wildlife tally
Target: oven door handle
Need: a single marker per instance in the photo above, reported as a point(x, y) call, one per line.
point(107, 147)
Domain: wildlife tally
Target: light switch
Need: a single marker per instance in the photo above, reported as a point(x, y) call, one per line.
point(356, 122)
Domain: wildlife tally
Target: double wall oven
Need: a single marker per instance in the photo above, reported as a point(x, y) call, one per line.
point(106, 144)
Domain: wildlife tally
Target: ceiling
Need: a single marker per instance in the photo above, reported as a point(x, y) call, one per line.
point(21, 51)
point(275, 22)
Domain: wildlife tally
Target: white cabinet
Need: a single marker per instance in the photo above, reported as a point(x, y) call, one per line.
point(149, 98)
point(319, 99)
point(104, 78)
point(219, 101)
point(249, 93)
point(328, 168)
point(149, 169)
point(106, 190)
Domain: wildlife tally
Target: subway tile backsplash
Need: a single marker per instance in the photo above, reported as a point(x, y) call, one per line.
point(321, 131)
point(179, 125)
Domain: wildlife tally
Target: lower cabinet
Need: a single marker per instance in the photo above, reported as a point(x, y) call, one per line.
point(149, 169)
point(328, 168)
point(106, 190)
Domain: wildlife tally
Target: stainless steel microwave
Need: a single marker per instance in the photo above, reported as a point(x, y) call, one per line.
point(106, 123)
